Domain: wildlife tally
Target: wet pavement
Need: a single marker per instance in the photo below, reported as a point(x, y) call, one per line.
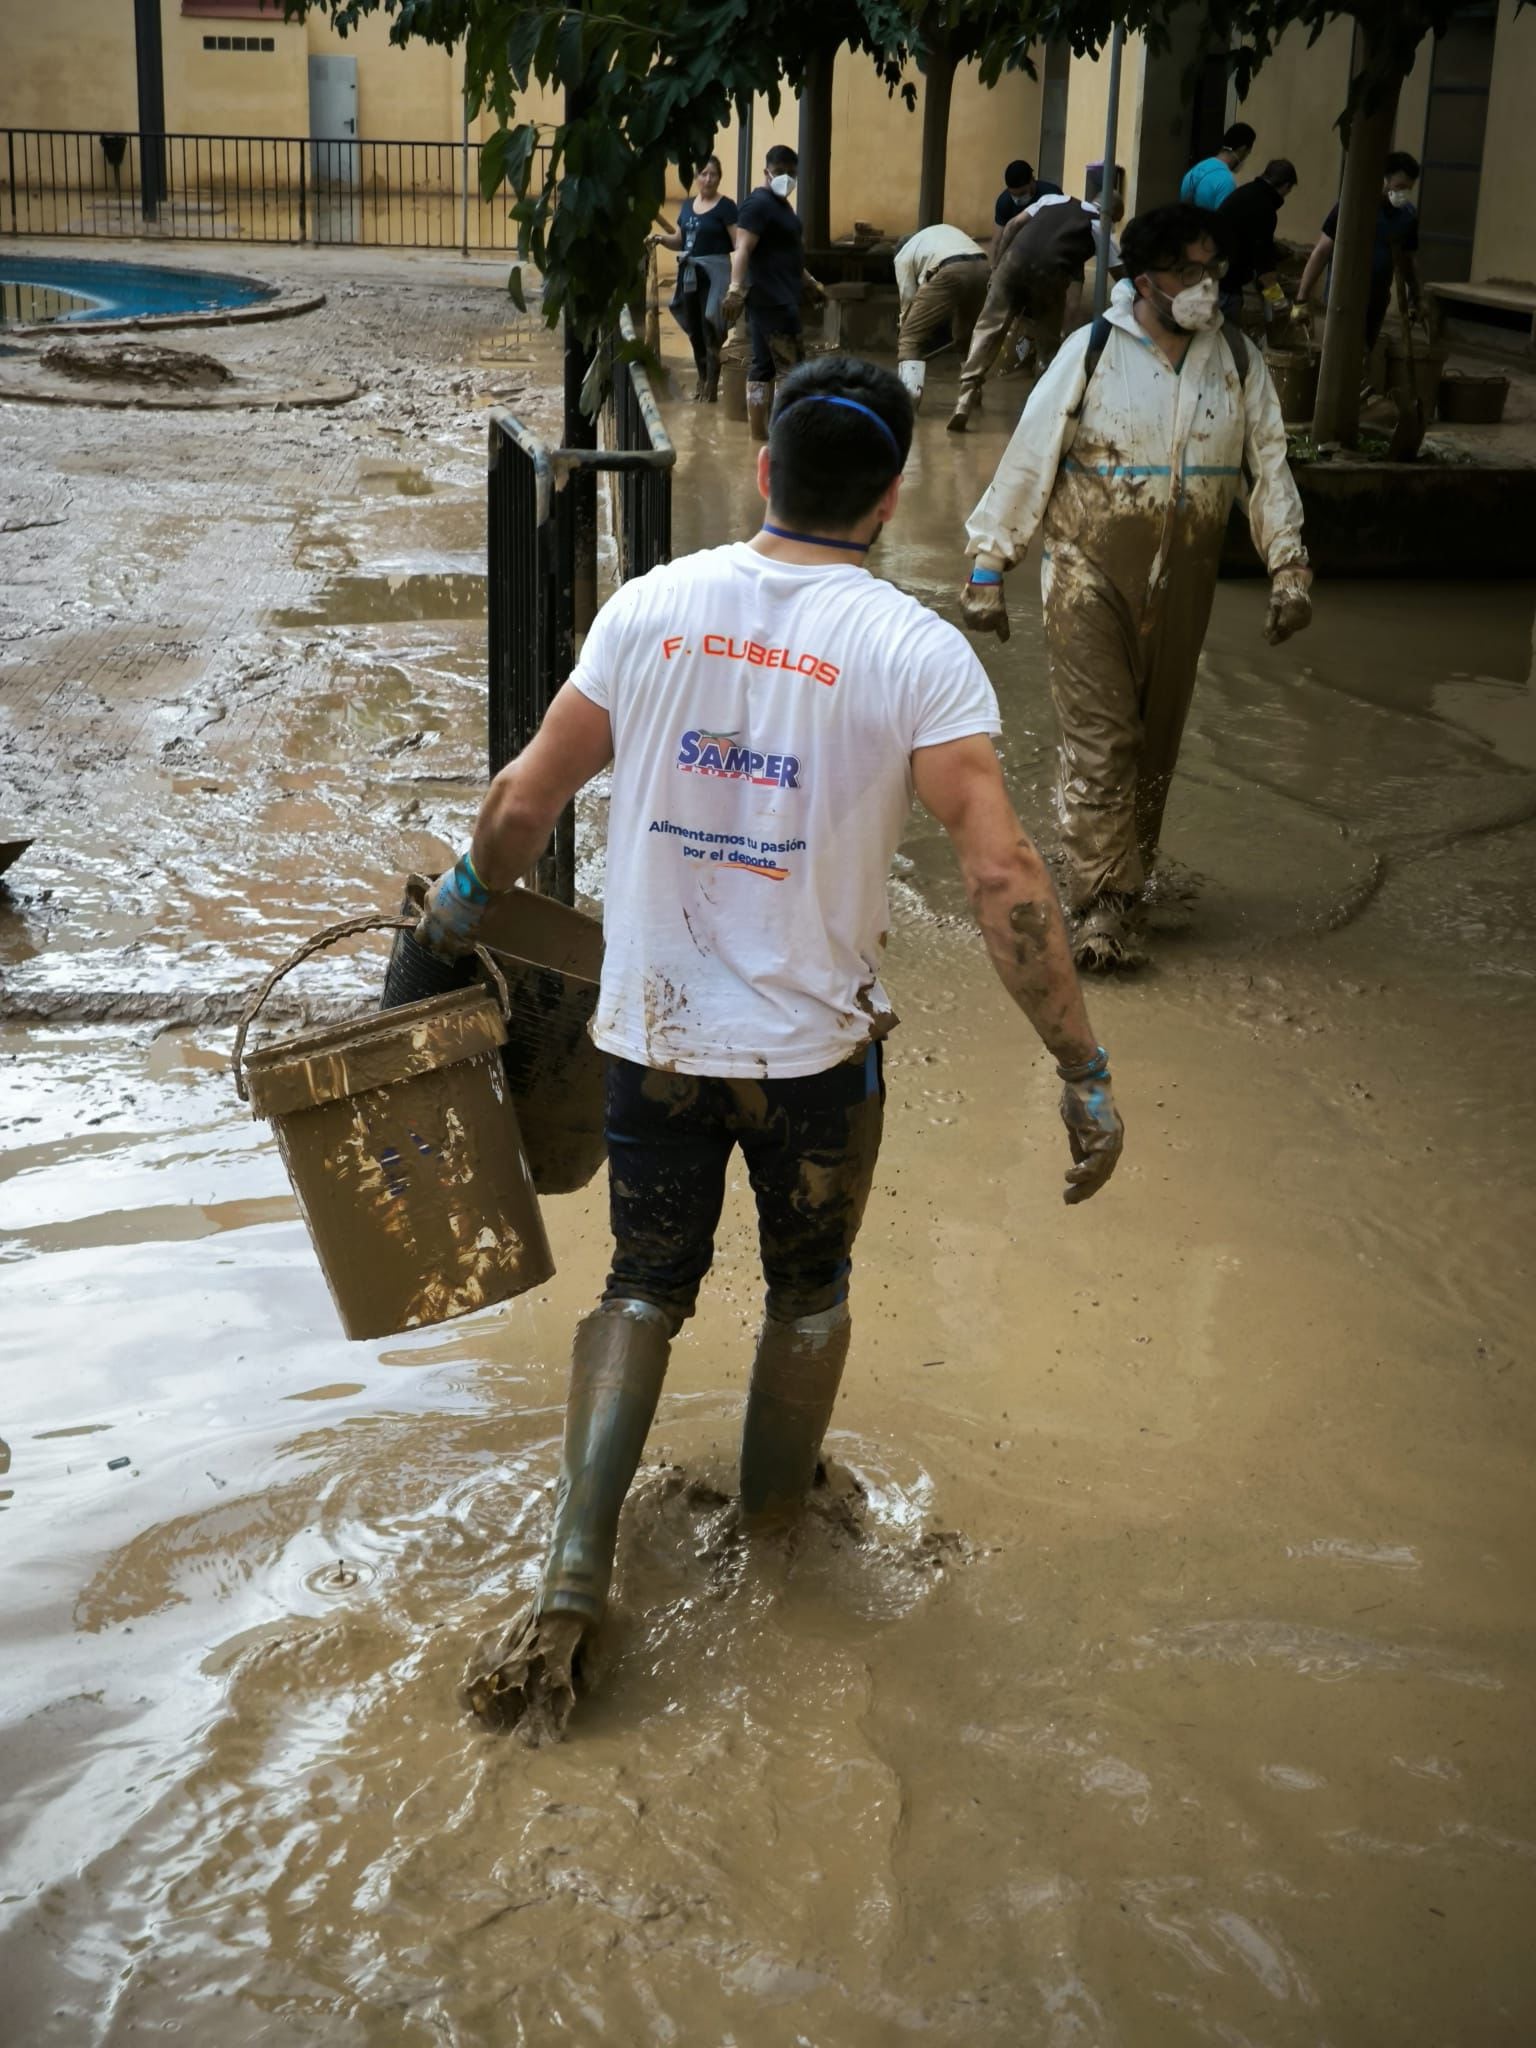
point(1160, 1671)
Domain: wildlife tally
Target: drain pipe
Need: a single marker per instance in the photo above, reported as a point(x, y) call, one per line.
point(464, 179)
point(1107, 179)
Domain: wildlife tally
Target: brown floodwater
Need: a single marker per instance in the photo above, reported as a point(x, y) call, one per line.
point(1161, 1672)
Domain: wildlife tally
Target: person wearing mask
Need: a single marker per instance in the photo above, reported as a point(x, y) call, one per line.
point(1128, 456)
point(1021, 188)
point(1212, 181)
point(1037, 280)
point(705, 236)
point(1394, 247)
point(942, 278)
point(1245, 229)
point(769, 710)
point(768, 278)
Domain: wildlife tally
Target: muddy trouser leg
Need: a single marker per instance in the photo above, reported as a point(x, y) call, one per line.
point(690, 308)
point(1095, 660)
point(777, 346)
point(1168, 685)
point(667, 1154)
point(987, 337)
point(1044, 319)
point(810, 1147)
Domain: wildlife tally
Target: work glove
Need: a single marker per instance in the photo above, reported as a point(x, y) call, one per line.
point(450, 917)
point(1290, 606)
point(730, 307)
point(983, 606)
point(1094, 1129)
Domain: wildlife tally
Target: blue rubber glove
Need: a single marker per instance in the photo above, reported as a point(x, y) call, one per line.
point(1094, 1129)
point(450, 918)
point(982, 604)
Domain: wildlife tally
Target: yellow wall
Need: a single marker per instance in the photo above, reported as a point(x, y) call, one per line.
point(1293, 103)
point(43, 83)
point(987, 130)
point(1505, 247)
point(230, 92)
point(1087, 108)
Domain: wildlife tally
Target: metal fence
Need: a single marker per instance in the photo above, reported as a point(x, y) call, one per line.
point(250, 188)
point(531, 565)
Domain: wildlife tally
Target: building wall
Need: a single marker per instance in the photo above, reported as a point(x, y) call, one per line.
point(227, 92)
point(46, 81)
point(1505, 247)
point(1087, 108)
point(1293, 104)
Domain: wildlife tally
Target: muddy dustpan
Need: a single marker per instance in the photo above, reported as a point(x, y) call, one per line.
point(400, 1139)
point(551, 958)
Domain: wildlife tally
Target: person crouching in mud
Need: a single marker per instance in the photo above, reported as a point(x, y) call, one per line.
point(769, 708)
point(1129, 453)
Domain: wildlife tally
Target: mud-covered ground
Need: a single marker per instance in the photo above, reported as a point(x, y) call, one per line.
point(1161, 1671)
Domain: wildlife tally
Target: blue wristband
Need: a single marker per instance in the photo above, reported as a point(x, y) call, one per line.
point(1095, 1069)
point(980, 575)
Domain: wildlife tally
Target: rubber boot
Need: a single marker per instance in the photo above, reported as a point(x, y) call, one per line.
point(965, 405)
point(712, 376)
point(795, 1377)
point(759, 410)
point(618, 1362)
point(913, 376)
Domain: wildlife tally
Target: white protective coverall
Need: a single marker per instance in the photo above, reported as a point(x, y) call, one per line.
point(1132, 478)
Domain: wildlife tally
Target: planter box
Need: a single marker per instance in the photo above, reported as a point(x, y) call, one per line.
point(1408, 519)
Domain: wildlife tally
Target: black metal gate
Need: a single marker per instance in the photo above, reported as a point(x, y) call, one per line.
point(531, 567)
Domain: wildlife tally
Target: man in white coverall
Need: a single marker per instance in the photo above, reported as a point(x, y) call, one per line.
point(770, 709)
point(1129, 454)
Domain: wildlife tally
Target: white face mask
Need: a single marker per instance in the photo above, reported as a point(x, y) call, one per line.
point(1196, 308)
point(1398, 198)
point(784, 184)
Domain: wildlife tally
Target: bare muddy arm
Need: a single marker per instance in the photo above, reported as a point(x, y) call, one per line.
point(1026, 936)
point(1316, 264)
point(516, 819)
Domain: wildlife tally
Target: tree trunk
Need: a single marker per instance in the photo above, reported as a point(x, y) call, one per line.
point(815, 181)
point(1337, 417)
point(938, 88)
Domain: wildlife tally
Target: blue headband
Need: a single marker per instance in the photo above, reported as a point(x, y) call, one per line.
point(852, 405)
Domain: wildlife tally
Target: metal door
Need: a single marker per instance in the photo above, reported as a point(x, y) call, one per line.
point(333, 120)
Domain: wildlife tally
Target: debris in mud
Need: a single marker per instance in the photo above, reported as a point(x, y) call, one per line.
point(137, 362)
point(118, 1464)
point(523, 1680)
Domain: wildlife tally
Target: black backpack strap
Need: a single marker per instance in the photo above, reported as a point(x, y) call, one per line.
point(1098, 341)
point(1237, 343)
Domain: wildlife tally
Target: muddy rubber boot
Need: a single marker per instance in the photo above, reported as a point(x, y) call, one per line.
point(795, 1377)
point(712, 378)
point(1106, 935)
point(759, 410)
point(959, 419)
point(913, 377)
point(618, 1362)
point(524, 1679)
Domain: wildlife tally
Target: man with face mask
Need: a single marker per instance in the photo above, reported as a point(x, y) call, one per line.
point(942, 278)
point(1212, 181)
point(1395, 245)
point(768, 278)
point(1129, 455)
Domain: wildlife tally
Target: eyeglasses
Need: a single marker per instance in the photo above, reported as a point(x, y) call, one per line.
point(1191, 274)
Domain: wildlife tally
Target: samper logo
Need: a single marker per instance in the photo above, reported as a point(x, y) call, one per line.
point(720, 753)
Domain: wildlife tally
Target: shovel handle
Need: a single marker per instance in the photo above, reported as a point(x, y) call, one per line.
point(349, 929)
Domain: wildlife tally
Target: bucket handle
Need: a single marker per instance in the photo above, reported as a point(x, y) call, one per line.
point(316, 944)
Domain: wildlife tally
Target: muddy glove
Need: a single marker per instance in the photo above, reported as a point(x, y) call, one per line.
point(1094, 1129)
point(1290, 606)
point(450, 918)
point(730, 307)
point(982, 604)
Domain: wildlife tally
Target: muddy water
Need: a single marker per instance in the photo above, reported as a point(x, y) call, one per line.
point(1162, 1672)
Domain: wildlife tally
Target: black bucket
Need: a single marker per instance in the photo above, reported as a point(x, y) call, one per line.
point(552, 958)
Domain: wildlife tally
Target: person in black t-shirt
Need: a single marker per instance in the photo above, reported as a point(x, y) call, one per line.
point(1395, 245)
point(706, 237)
point(1245, 234)
point(768, 278)
point(1021, 188)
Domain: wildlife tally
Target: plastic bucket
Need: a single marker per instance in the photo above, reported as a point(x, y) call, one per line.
point(1420, 378)
point(1473, 400)
point(403, 1149)
point(1294, 373)
point(551, 959)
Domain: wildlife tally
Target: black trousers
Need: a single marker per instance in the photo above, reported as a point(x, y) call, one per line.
point(777, 343)
point(809, 1145)
point(689, 307)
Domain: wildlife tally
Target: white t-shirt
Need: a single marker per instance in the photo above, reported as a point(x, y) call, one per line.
point(764, 718)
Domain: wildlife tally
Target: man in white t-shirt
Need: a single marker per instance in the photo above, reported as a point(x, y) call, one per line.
point(769, 708)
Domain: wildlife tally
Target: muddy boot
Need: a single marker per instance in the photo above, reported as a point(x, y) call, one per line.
point(965, 405)
point(795, 1378)
point(759, 410)
point(1105, 937)
point(711, 391)
point(913, 377)
point(618, 1362)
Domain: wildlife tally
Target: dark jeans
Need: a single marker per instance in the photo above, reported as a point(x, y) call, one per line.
point(777, 343)
point(689, 308)
point(809, 1145)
